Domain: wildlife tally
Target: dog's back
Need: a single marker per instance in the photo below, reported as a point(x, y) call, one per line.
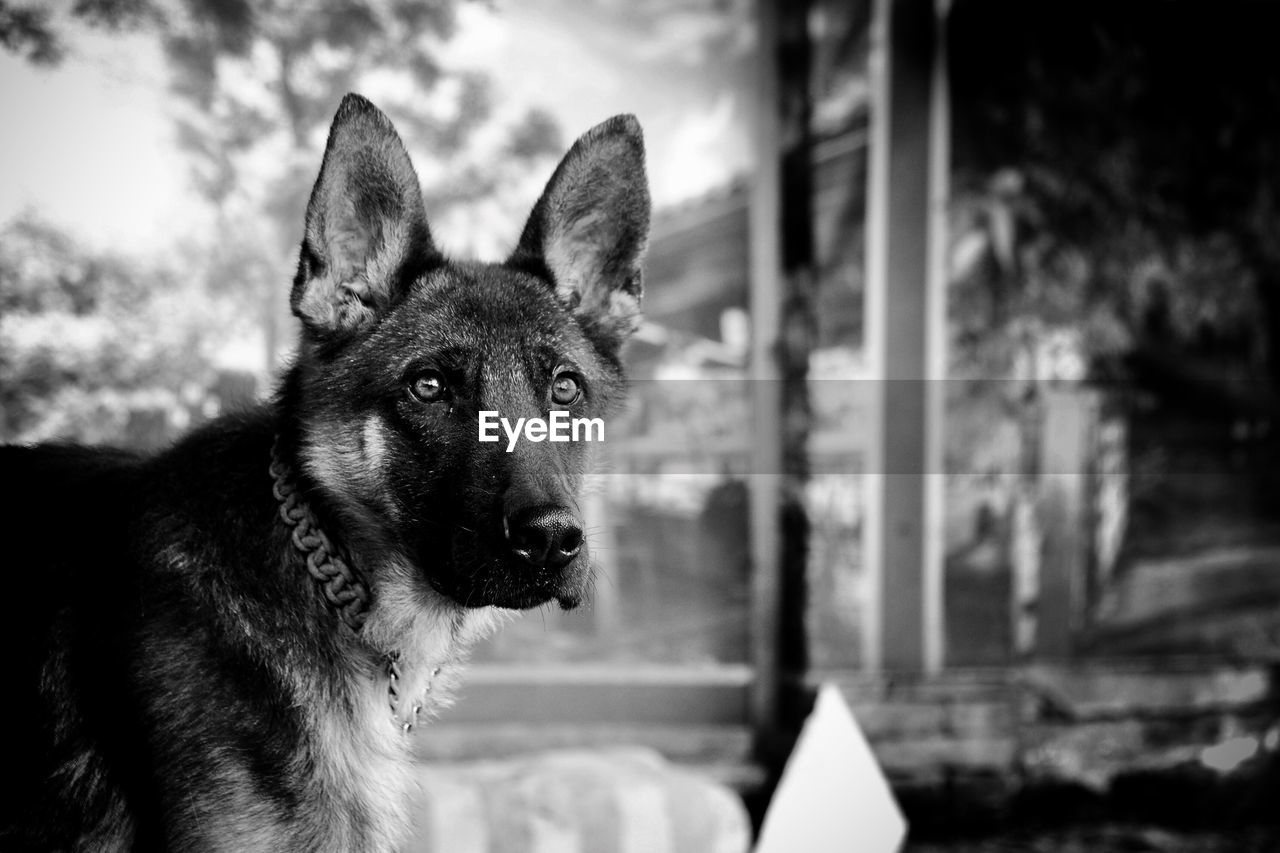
point(65, 526)
point(148, 587)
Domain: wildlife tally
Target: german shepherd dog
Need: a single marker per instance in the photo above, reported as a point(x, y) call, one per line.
point(223, 646)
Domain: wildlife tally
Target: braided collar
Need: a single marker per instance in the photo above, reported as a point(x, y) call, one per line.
point(341, 584)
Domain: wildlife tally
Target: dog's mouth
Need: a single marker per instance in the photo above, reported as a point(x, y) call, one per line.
point(482, 571)
point(510, 559)
point(494, 555)
point(503, 586)
point(530, 597)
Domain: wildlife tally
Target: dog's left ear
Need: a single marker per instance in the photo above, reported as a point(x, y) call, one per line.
point(366, 233)
point(590, 228)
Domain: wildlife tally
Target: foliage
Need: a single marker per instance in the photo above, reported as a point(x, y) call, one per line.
point(1118, 166)
point(261, 82)
point(1116, 185)
point(33, 31)
point(87, 337)
point(257, 84)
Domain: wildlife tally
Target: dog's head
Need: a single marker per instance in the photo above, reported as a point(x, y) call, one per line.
point(403, 350)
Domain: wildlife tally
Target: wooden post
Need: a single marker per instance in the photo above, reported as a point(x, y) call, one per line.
point(1070, 417)
point(905, 336)
point(765, 484)
point(782, 285)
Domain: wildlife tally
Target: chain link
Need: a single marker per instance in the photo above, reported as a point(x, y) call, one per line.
point(342, 587)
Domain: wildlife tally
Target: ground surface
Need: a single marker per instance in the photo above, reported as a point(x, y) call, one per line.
point(1111, 839)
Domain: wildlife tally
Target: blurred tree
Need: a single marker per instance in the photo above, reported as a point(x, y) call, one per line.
point(261, 81)
point(86, 338)
point(1116, 197)
point(35, 31)
point(1118, 167)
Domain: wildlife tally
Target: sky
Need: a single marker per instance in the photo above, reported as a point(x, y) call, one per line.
point(90, 145)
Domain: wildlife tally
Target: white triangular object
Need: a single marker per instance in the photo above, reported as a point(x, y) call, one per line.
point(833, 797)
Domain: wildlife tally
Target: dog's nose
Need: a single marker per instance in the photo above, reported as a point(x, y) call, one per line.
point(545, 536)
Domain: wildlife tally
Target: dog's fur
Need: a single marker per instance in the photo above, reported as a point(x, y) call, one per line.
point(181, 682)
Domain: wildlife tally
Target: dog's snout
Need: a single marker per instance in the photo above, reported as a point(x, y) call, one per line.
point(545, 536)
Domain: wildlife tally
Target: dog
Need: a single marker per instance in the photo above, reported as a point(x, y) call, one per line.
point(224, 646)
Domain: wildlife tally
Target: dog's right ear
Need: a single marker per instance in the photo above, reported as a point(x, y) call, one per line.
point(366, 233)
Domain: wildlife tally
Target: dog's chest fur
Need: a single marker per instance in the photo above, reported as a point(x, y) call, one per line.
point(347, 782)
point(363, 756)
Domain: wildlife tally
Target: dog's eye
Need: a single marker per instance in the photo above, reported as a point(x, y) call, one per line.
point(565, 389)
point(428, 386)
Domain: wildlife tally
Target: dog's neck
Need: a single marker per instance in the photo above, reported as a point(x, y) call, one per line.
point(342, 585)
point(345, 590)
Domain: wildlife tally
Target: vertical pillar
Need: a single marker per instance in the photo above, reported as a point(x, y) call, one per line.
point(1070, 423)
point(905, 336)
point(782, 288)
point(765, 483)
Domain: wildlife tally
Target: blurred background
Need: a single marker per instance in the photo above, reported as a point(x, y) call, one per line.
point(1062, 263)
